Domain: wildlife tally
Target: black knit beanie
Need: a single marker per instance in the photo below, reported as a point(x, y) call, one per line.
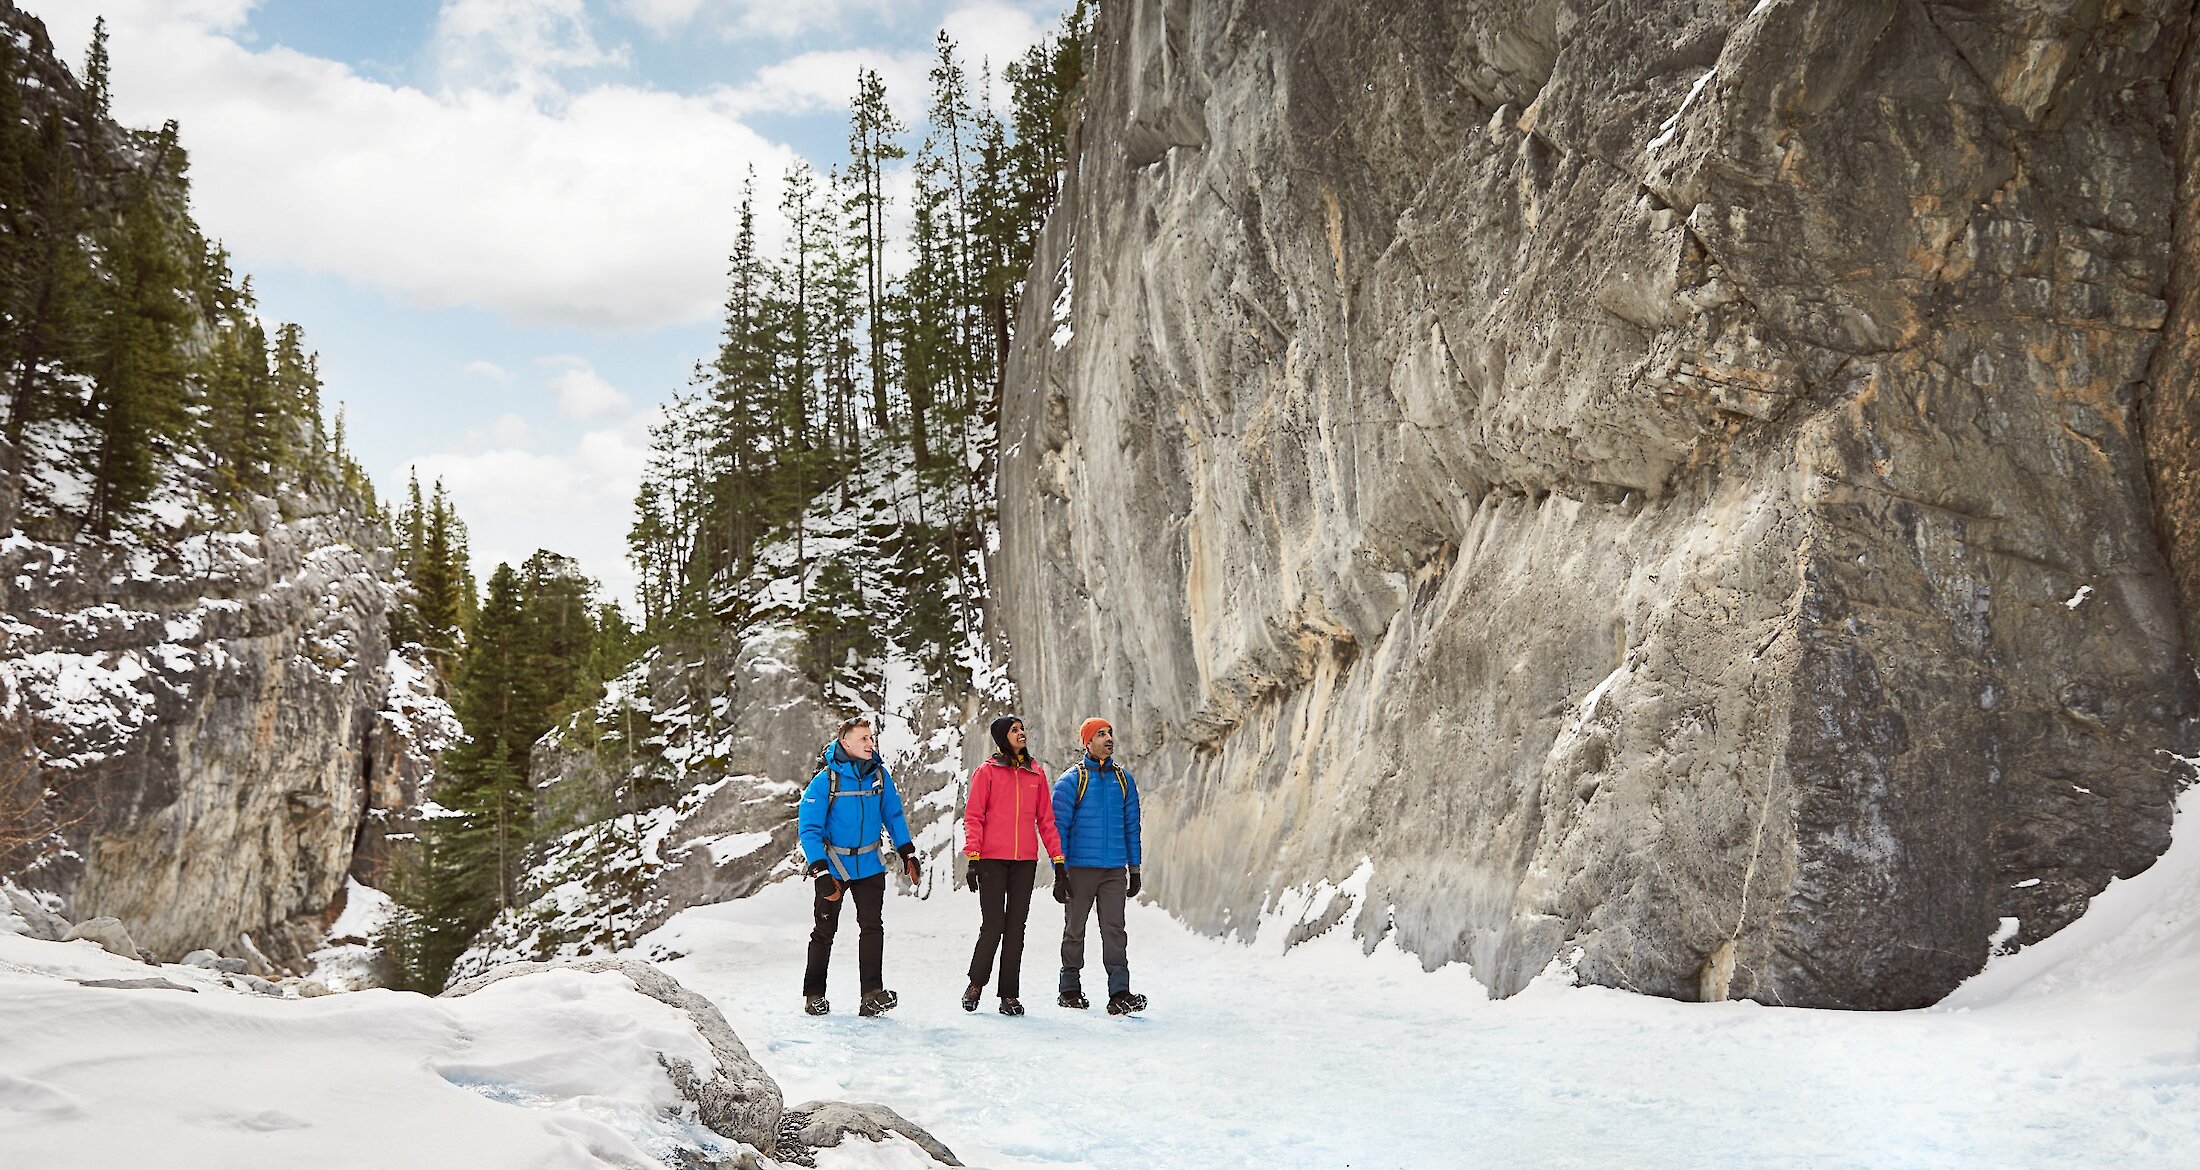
point(1000, 739)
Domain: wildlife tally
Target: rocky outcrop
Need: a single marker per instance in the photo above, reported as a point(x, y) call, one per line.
point(1661, 480)
point(721, 734)
point(208, 701)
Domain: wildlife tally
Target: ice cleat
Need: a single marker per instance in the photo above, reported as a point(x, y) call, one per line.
point(877, 1003)
point(1123, 1003)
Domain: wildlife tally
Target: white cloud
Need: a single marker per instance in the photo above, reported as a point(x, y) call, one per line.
point(583, 394)
point(993, 34)
point(574, 498)
point(988, 34)
point(779, 19)
point(663, 17)
point(489, 370)
point(826, 80)
point(608, 209)
point(523, 45)
point(506, 430)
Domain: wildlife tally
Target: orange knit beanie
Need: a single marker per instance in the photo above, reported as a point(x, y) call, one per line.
point(1090, 728)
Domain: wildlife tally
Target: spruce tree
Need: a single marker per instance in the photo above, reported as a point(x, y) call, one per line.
point(874, 135)
point(52, 294)
point(96, 70)
point(138, 364)
point(474, 841)
point(439, 583)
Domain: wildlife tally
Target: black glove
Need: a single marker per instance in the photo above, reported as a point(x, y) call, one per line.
point(909, 863)
point(1133, 891)
point(970, 877)
point(1061, 883)
point(827, 887)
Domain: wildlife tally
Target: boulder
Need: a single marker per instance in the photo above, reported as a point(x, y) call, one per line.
point(214, 962)
point(821, 1125)
point(109, 933)
point(255, 984)
point(739, 1100)
point(38, 922)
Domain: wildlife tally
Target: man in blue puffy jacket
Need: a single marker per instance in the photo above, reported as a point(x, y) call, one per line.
point(1096, 811)
point(849, 805)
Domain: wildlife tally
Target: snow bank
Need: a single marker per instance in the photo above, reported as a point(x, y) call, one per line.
point(2131, 964)
point(556, 1069)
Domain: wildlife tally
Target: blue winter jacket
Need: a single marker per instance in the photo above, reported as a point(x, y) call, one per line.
point(867, 807)
point(1100, 832)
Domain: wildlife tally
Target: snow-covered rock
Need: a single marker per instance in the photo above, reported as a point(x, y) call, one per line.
point(823, 1125)
point(731, 1094)
point(22, 912)
point(108, 932)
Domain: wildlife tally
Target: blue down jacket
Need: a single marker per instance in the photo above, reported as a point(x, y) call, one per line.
point(1101, 831)
point(867, 807)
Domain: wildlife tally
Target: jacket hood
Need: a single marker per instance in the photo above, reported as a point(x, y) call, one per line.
point(836, 756)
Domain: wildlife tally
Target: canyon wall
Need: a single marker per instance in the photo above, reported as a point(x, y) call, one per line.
point(1663, 482)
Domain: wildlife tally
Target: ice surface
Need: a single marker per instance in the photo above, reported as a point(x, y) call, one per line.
point(1323, 1056)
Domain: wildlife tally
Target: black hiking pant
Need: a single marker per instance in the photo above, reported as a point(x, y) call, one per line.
point(869, 895)
point(1092, 888)
point(1004, 902)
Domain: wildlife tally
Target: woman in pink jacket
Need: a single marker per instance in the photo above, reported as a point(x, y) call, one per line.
point(1010, 814)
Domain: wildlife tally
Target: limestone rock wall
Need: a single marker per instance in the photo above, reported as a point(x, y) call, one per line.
point(1662, 481)
point(215, 708)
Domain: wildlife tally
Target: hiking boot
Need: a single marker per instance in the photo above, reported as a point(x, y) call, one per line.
point(877, 1003)
point(970, 997)
point(1074, 999)
point(1123, 1003)
point(1011, 1006)
point(816, 1005)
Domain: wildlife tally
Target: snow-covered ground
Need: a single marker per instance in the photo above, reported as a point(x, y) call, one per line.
point(543, 1073)
point(2081, 1052)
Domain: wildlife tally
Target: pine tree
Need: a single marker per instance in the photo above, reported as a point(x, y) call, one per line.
point(297, 374)
point(138, 365)
point(473, 845)
point(51, 291)
point(873, 143)
point(440, 584)
point(96, 68)
point(540, 648)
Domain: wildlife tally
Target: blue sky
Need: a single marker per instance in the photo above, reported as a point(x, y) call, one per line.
point(503, 223)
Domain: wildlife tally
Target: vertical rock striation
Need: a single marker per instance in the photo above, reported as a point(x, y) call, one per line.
point(1664, 481)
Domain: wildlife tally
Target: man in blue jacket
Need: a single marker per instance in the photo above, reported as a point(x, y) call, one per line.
point(849, 805)
point(1096, 810)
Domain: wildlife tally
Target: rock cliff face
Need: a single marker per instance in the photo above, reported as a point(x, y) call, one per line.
point(1663, 481)
point(218, 708)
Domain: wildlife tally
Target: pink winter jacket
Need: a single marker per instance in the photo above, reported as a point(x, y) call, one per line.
point(1006, 805)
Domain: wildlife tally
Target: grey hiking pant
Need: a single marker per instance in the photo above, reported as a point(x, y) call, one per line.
point(1089, 887)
